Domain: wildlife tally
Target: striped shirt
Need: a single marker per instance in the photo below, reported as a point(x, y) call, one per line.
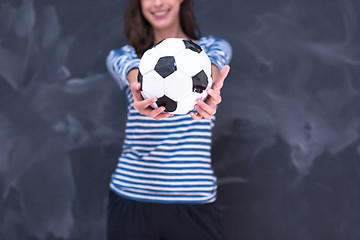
point(166, 160)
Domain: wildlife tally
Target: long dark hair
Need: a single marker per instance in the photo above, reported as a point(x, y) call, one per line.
point(139, 31)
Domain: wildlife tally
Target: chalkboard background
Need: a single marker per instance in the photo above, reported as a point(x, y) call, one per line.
point(286, 144)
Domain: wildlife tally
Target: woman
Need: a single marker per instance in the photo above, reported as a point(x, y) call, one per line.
point(164, 186)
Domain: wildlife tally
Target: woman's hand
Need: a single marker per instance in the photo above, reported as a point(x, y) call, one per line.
point(143, 106)
point(208, 108)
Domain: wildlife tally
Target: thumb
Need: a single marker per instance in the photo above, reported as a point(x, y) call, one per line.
point(218, 84)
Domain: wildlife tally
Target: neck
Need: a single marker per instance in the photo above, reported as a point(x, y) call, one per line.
point(160, 34)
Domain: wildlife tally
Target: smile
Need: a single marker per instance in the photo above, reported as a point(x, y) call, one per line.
point(160, 13)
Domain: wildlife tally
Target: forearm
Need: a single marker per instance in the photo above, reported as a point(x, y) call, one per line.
point(120, 62)
point(132, 75)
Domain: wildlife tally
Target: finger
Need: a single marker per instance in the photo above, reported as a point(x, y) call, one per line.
point(209, 108)
point(153, 113)
point(202, 112)
point(215, 96)
point(195, 116)
point(147, 102)
point(218, 84)
point(163, 115)
point(158, 113)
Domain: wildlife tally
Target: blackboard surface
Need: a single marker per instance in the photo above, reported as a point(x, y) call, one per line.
point(286, 142)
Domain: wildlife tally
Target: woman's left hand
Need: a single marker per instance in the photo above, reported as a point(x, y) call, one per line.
point(207, 108)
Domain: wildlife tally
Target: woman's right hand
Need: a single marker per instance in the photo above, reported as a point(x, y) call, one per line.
point(143, 106)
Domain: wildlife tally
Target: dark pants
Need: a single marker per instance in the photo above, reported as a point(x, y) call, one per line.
point(135, 220)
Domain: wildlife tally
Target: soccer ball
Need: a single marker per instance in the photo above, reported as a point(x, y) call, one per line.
point(177, 72)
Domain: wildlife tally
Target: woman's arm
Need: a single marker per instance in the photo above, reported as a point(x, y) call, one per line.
point(123, 65)
point(120, 62)
point(219, 51)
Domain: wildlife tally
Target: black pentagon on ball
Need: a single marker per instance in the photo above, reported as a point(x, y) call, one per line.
point(169, 104)
point(200, 82)
point(192, 46)
point(140, 79)
point(165, 66)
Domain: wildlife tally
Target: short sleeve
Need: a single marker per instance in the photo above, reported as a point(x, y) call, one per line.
point(119, 63)
point(218, 50)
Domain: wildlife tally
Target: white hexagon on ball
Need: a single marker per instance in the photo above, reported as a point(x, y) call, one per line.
point(187, 104)
point(148, 61)
point(153, 84)
point(190, 62)
point(177, 86)
point(169, 47)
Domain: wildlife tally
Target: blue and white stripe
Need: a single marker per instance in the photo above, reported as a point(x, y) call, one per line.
point(165, 160)
point(120, 61)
